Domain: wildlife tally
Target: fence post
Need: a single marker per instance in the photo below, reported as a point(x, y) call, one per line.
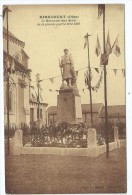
point(18, 142)
point(91, 138)
point(116, 136)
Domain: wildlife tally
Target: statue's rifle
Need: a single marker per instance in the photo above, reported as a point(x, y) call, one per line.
point(61, 70)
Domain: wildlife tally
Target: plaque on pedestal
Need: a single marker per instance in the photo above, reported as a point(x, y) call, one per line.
point(69, 108)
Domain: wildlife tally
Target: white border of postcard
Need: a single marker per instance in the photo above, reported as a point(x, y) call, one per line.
point(128, 56)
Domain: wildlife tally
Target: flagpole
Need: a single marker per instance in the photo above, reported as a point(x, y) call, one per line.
point(8, 88)
point(90, 91)
point(105, 91)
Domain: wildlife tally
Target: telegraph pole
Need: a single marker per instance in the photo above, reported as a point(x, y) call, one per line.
point(89, 85)
point(38, 98)
point(105, 90)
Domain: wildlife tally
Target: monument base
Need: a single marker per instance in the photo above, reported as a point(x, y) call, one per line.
point(69, 108)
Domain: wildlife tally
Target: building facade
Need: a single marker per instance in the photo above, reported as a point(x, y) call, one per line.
point(86, 113)
point(116, 114)
point(19, 79)
point(37, 110)
point(23, 108)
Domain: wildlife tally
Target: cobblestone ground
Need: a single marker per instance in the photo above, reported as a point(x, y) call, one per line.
point(65, 174)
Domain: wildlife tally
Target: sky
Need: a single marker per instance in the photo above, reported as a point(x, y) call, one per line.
point(45, 44)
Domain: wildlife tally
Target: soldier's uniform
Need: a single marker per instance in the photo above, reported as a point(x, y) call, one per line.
point(67, 64)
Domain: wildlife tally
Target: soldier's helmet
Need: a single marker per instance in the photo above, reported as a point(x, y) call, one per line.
point(65, 50)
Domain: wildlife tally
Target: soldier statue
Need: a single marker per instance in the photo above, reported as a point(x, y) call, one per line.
point(68, 74)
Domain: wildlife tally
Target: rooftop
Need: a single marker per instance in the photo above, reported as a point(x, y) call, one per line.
point(13, 36)
point(95, 108)
point(85, 108)
point(114, 111)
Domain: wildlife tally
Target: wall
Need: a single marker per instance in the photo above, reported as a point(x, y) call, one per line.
point(52, 118)
point(87, 118)
point(41, 106)
point(92, 149)
point(115, 119)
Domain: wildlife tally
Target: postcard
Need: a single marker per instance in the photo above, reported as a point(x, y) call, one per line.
point(64, 77)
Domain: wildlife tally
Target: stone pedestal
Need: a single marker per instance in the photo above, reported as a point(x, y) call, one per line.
point(69, 107)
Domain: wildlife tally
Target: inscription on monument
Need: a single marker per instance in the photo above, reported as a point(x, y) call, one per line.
point(78, 107)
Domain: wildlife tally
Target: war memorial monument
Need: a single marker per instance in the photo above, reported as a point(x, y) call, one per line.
point(69, 101)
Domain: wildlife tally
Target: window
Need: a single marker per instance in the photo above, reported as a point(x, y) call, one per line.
point(31, 115)
point(41, 113)
point(37, 113)
point(10, 106)
point(10, 101)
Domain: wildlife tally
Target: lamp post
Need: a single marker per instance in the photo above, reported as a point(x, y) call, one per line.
point(6, 11)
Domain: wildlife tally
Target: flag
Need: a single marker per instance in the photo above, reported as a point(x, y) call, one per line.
point(115, 71)
point(97, 70)
point(32, 87)
point(39, 86)
point(108, 49)
point(90, 75)
point(116, 48)
point(100, 10)
point(85, 78)
point(36, 95)
point(83, 90)
point(6, 9)
point(123, 71)
point(41, 97)
point(40, 80)
point(98, 47)
point(93, 88)
point(33, 97)
point(52, 80)
point(104, 59)
point(37, 77)
point(86, 41)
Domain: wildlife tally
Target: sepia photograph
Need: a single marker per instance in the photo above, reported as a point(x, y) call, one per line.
point(64, 78)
